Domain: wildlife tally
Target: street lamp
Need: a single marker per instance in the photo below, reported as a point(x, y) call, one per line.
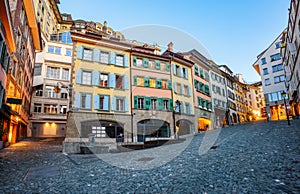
point(177, 105)
point(283, 94)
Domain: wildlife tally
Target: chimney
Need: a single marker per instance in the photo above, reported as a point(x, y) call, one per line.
point(104, 26)
point(170, 46)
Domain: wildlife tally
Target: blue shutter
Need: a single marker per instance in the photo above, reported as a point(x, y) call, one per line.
point(186, 73)
point(113, 103)
point(126, 61)
point(112, 80)
point(79, 52)
point(78, 76)
point(175, 88)
point(182, 88)
point(96, 56)
point(174, 69)
point(88, 101)
point(181, 71)
point(126, 83)
point(189, 91)
point(191, 111)
point(95, 78)
point(184, 107)
point(112, 58)
point(168, 66)
point(106, 103)
point(126, 104)
point(78, 100)
point(96, 101)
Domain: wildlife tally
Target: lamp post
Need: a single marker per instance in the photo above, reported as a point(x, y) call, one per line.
point(283, 94)
point(177, 105)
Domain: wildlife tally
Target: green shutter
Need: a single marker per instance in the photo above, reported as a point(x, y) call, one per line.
point(146, 81)
point(157, 64)
point(135, 102)
point(146, 62)
point(168, 66)
point(134, 61)
point(135, 80)
point(201, 73)
point(201, 86)
point(160, 103)
point(147, 101)
point(196, 70)
point(170, 84)
point(196, 83)
point(158, 83)
point(171, 104)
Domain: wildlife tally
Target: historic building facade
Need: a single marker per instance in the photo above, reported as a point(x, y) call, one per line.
point(20, 76)
point(269, 66)
point(201, 91)
point(290, 52)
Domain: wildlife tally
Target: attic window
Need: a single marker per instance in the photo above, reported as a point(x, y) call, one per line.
point(64, 17)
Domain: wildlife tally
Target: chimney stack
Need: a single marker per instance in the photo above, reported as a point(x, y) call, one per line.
point(170, 46)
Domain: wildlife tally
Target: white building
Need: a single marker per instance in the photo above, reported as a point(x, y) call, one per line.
point(218, 95)
point(291, 57)
point(269, 66)
point(52, 68)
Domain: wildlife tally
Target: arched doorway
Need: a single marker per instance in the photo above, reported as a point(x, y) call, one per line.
point(184, 127)
point(203, 124)
point(152, 128)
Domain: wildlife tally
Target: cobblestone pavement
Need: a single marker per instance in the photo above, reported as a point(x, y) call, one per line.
point(251, 158)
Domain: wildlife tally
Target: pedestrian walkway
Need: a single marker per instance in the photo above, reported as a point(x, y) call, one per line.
point(260, 157)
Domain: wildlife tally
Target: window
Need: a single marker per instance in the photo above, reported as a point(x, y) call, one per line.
point(37, 108)
point(63, 109)
point(37, 69)
point(140, 81)
point(267, 82)
point(104, 80)
point(187, 108)
point(279, 79)
point(103, 102)
point(120, 60)
point(119, 81)
point(85, 100)
point(196, 70)
point(151, 64)
point(278, 45)
point(184, 70)
point(53, 72)
point(166, 104)
point(86, 78)
point(152, 82)
point(154, 104)
point(186, 88)
point(163, 66)
point(164, 84)
point(140, 103)
point(120, 104)
point(50, 108)
point(263, 61)
point(65, 74)
point(69, 52)
point(177, 70)
point(64, 95)
point(276, 68)
point(104, 57)
point(87, 54)
point(139, 62)
point(50, 93)
point(54, 49)
point(178, 86)
point(265, 70)
point(275, 57)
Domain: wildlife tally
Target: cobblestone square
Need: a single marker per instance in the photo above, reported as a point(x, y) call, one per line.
point(262, 157)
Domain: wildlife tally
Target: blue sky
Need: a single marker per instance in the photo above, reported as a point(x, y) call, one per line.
point(233, 31)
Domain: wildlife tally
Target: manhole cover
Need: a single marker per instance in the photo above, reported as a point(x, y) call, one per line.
point(42, 172)
point(145, 159)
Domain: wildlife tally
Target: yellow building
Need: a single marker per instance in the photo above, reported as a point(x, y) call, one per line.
point(182, 93)
point(101, 92)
